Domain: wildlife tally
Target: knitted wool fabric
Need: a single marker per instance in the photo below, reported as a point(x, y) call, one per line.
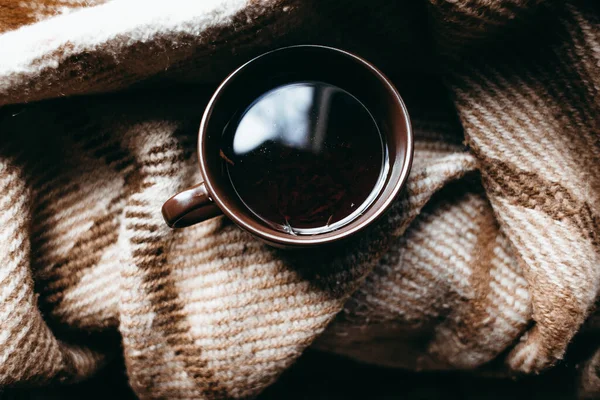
point(491, 253)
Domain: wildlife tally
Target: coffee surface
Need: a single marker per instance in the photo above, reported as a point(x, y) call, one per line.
point(306, 157)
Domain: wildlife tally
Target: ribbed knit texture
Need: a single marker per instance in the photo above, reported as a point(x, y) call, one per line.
point(488, 260)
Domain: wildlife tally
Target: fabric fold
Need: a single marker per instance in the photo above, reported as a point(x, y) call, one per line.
point(487, 261)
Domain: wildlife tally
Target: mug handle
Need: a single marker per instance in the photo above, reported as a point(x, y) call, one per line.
point(189, 207)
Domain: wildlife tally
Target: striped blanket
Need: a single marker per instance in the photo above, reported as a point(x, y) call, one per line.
point(488, 261)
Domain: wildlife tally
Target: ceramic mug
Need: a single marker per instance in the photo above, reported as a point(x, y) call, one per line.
point(216, 195)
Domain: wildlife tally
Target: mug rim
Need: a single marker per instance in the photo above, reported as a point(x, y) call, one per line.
point(280, 238)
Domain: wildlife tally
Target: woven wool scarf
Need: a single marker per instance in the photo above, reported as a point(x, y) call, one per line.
point(489, 260)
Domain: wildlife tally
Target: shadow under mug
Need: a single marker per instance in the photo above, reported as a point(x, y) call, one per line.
point(216, 195)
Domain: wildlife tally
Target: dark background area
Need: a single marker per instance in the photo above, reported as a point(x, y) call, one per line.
point(318, 375)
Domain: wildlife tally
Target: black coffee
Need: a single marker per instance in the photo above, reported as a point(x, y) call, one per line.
point(305, 157)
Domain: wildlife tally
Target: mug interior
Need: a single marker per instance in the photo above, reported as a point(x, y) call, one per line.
point(305, 63)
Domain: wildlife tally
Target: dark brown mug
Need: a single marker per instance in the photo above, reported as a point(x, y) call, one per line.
point(216, 195)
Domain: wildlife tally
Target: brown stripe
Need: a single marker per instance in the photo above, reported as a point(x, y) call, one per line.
point(143, 226)
point(149, 255)
point(170, 316)
point(562, 86)
point(529, 190)
point(140, 240)
point(138, 214)
point(63, 187)
point(87, 250)
point(16, 253)
point(137, 203)
point(84, 254)
point(481, 265)
point(163, 148)
point(11, 299)
point(166, 159)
